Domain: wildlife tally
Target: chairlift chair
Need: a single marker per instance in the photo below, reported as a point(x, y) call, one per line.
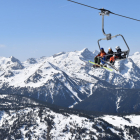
point(109, 37)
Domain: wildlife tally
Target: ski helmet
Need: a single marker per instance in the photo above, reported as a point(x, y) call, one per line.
point(109, 48)
point(102, 49)
point(117, 47)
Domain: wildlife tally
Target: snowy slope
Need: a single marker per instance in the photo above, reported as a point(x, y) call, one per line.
point(51, 125)
point(128, 77)
point(71, 63)
point(136, 58)
point(41, 122)
point(64, 78)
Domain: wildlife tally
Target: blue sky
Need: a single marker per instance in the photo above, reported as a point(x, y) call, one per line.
point(35, 28)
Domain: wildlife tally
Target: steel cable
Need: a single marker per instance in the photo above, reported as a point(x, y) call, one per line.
point(104, 10)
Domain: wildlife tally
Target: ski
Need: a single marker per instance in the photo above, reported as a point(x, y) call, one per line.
point(100, 66)
point(110, 65)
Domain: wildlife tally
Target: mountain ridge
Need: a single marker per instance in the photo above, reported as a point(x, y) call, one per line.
point(32, 120)
point(64, 79)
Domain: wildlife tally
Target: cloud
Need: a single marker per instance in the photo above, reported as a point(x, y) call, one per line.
point(2, 46)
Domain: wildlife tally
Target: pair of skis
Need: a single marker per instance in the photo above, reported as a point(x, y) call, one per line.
point(100, 66)
point(110, 65)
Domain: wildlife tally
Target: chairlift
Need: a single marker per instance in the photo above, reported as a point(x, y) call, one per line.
point(124, 54)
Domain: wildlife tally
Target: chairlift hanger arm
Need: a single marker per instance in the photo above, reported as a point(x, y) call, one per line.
point(103, 13)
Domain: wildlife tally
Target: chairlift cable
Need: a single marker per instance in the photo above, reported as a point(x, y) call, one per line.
point(125, 16)
point(84, 4)
point(104, 10)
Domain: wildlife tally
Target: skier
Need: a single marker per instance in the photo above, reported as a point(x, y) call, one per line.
point(110, 53)
point(117, 55)
point(100, 55)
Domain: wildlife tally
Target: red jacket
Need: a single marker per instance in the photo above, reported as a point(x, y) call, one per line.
point(101, 54)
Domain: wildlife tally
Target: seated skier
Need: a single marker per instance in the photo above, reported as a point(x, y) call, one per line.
point(110, 53)
point(117, 55)
point(100, 55)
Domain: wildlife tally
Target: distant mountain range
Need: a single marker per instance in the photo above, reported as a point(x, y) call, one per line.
point(65, 80)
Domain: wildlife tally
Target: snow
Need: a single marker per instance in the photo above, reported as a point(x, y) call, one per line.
point(70, 63)
point(3, 96)
point(73, 105)
point(3, 117)
point(35, 73)
point(65, 121)
point(135, 119)
point(117, 103)
point(137, 53)
point(121, 122)
point(135, 57)
point(62, 125)
point(113, 130)
point(96, 52)
point(74, 93)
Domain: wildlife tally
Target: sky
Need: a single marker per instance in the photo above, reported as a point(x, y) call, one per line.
point(36, 28)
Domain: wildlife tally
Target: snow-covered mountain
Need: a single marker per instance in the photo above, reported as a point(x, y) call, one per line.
point(64, 79)
point(25, 119)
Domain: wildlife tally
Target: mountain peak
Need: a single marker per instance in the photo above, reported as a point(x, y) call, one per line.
point(85, 50)
point(87, 54)
point(13, 59)
point(16, 64)
point(95, 52)
point(58, 54)
point(31, 61)
point(136, 53)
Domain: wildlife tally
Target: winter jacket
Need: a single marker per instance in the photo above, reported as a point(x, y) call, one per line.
point(118, 53)
point(102, 54)
point(110, 52)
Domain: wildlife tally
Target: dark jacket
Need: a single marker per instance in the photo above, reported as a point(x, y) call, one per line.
point(118, 53)
point(109, 54)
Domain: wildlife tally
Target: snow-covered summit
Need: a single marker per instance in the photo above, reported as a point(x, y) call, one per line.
point(13, 59)
point(10, 63)
point(31, 61)
point(55, 55)
point(95, 52)
point(87, 54)
point(137, 53)
point(136, 58)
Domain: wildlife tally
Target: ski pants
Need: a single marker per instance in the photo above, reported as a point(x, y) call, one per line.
point(98, 60)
